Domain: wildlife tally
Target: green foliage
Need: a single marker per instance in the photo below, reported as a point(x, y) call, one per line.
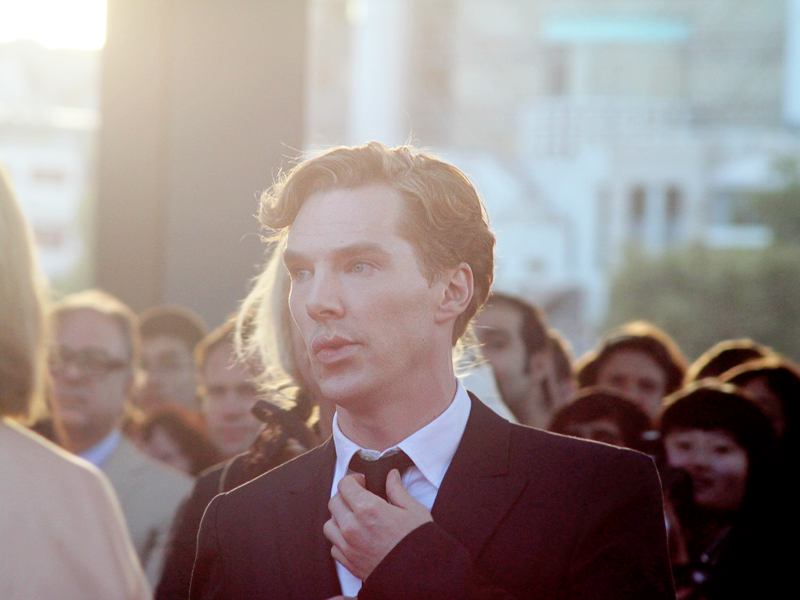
point(701, 296)
point(780, 210)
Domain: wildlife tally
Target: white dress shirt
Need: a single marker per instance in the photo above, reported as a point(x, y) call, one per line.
point(431, 448)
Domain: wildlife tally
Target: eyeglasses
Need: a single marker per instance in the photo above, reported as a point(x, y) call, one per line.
point(94, 363)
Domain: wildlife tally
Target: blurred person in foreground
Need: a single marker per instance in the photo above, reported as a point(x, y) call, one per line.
point(514, 340)
point(637, 360)
point(602, 416)
point(92, 363)
point(168, 376)
point(62, 530)
point(733, 522)
point(390, 257)
point(294, 417)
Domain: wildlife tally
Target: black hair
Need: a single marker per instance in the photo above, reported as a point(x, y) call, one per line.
point(593, 404)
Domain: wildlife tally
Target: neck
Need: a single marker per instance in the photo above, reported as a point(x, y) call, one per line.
point(78, 440)
point(386, 422)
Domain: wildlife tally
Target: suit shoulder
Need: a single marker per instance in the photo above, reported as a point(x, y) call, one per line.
point(563, 450)
point(297, 473)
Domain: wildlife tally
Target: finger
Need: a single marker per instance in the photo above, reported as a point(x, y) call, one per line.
point(339, 508)
point(396, 493)
point(354, 494)
point(354, 482)
point(334, 534)
point(339, 557)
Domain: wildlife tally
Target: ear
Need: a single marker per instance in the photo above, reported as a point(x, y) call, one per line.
point(458, 287)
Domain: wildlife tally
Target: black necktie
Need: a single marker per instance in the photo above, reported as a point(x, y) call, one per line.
point(376, 470)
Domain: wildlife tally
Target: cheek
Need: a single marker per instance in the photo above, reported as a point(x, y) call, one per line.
point(675, 458)
point(733, 470)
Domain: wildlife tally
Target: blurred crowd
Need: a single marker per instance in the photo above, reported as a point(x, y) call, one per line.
point(172, 414)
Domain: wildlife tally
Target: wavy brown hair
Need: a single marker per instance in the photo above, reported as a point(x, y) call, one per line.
point(444, 218)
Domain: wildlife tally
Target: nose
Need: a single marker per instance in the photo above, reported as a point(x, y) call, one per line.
point(324, 300)
point(70, 372)
point(697, 460)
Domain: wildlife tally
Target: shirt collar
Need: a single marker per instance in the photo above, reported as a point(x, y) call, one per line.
point(431, 448)
point(99, 453)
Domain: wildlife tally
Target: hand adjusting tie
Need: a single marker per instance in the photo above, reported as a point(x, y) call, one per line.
point(376, 470)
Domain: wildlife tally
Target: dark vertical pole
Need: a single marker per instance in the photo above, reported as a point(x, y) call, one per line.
point(203, 102)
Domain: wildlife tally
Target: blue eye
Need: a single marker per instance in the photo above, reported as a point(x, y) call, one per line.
point(299, 274)
point(359, 267)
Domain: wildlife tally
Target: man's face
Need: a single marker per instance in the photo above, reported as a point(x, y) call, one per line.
point(498, 328)
point(228, 401)
point(636, 376)
point(359, 298)
point(91, 373)
point(168, 373)
point(521, 379)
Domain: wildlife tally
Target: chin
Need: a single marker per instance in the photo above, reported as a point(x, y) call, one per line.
point(344, 392)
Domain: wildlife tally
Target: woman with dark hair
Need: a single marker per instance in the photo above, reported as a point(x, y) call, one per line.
point(172, 436)
point(603, 416)
point(637, 360)
point(773, 383)
point(730, 519)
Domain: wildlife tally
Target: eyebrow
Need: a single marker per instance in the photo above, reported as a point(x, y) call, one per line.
point(351, 251)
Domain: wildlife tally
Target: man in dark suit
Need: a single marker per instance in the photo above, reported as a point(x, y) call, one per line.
point(390, 257)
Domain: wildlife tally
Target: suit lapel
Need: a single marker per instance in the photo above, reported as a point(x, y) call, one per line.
point(479, 488)
point(304, 550)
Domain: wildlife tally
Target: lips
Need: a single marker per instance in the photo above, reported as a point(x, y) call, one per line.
point(331, 349)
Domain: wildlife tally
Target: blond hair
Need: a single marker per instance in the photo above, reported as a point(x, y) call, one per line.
point(22, 325)
point(263, 330)
point(444, 218)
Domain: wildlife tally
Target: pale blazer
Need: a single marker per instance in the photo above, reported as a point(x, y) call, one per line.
point(62, 533)
point(150, 495)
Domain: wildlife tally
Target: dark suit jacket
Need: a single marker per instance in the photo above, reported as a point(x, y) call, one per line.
point(521, 513)
point(177, 574)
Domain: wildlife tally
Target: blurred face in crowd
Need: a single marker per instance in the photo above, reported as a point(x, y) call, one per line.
point(716, 463)
point(161, 446)
point(227, 401)
point(600, 430)
point(92, 376)
point(520, 378)
point(168, 373)
point(636, 376)
point(768, 401)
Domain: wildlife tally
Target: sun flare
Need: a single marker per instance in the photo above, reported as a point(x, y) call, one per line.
point(75, 24)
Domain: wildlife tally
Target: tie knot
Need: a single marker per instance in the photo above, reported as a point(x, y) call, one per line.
point(376, 470)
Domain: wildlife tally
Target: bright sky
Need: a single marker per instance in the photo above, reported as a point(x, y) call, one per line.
point(77, 24)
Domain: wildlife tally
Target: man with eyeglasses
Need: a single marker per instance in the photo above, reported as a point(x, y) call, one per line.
point(92, 363)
